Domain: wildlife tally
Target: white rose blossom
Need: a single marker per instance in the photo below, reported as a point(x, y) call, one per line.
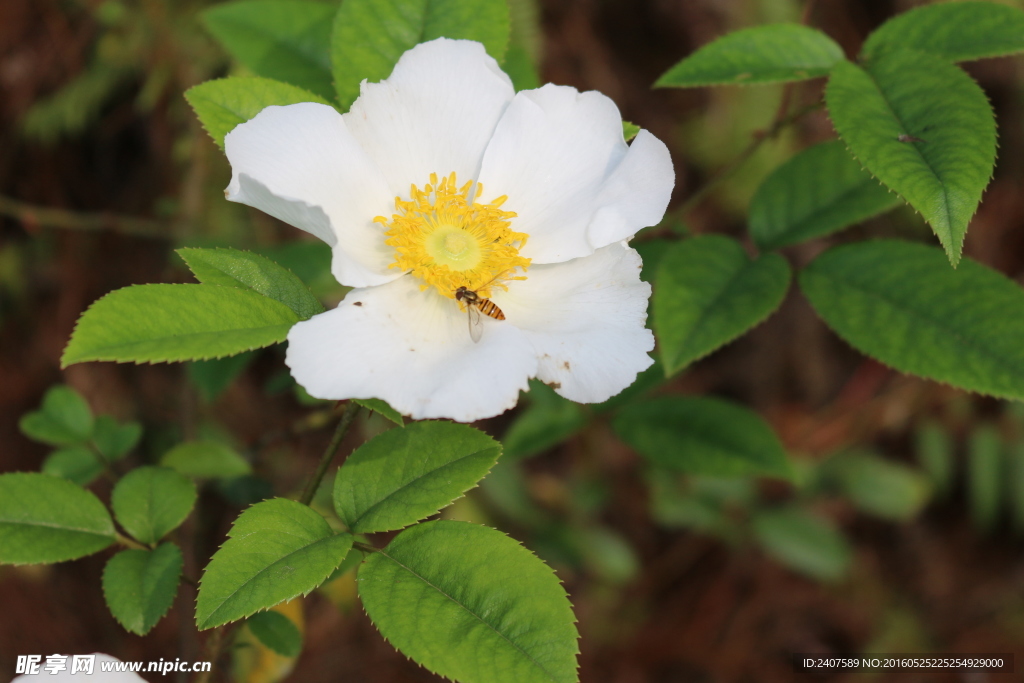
point(443, 177)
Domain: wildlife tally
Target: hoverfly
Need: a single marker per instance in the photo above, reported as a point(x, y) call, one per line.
point(475, 305)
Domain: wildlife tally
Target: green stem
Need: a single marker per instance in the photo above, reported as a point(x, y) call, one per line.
point(325, 460)
point(128, 542)
point(365, 547)
point(108, 468)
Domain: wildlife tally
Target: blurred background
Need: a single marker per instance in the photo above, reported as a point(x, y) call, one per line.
point(902, 532)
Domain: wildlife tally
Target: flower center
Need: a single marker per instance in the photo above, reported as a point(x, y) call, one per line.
point(443, 236)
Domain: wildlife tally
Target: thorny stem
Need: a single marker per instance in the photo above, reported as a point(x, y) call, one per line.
point(759, 139)
point(214, 648)
point(325, 460)
point(218, 638)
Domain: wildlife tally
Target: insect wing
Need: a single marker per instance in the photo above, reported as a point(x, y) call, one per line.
point(476, 325)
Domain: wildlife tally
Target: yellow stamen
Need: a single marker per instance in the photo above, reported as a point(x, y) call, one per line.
point(443, 236)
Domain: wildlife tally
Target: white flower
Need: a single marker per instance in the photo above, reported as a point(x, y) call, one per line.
point(442, 177)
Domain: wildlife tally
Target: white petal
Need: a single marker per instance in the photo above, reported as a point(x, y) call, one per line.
point(300, 164)
point(585, 318)
point(636, 193)
point(413, 350)
point(434, 114)
point(575, 185)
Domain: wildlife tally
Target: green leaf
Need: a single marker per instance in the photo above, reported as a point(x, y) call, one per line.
point(629, 130)
point(804, 542)
point(486, 609)
point(311, 261)
point(880, 487)
point(276, 550)
point(46, 519)
point(547, 421)
point(934, 451)
point(140, 585)
point(703, 436)
point(158, 323)
point(901, 304)
point(708, 292)
point(606, 554)
point(404, 475)
point(819, 191)
point(246, 270)
point(75, 463)
point(115, 440)
point(985, 476)
point(64, 419)
point(775, 53)
point(205, 460)
point(151, 501)
point(521, 69)
point(924, 128)
point(224, 103)
point(277, 632)
point(212, 377)
point(381, 408)
point(370, 35)
point(956, 31)
point(287, 40)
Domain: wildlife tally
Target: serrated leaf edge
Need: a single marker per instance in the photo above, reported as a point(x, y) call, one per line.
point(772, 311)
point(207, 624)
point(878, 360)
point(953, 260)
point(313, 97)
point(170, 603)
point(242, 285)
point(151, 361)
point(523, 548)
point(498, 447)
